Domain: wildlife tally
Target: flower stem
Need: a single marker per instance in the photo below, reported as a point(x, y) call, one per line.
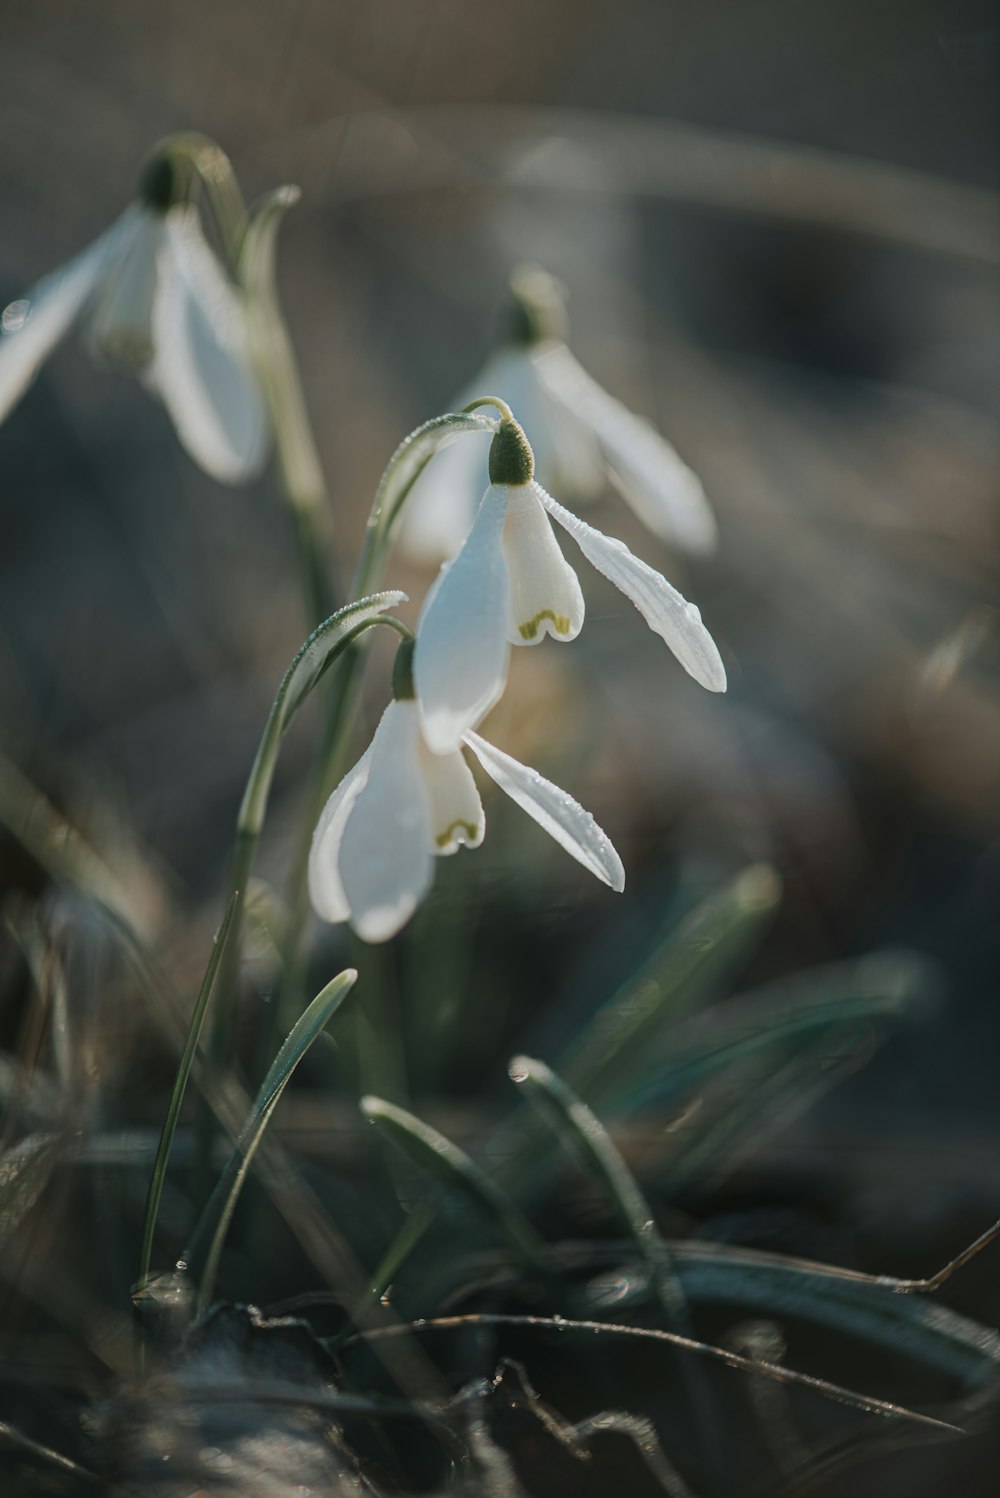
point(299, 472)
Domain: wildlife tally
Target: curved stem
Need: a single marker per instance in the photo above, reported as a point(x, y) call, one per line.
point(491, 400)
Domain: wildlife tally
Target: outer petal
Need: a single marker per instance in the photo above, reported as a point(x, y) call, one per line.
point(665, 610)
point(567, 453)
point(545, 596)
point(563, 818)
point(460, 662)
point(664, 492)
point(456, 811)
point(51, 309)
point(202, 367)
point(325, 888)
point(385, 852)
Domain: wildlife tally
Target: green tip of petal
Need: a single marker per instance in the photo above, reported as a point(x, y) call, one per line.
point(512, 463)
point(447, 837)
point(529, 629)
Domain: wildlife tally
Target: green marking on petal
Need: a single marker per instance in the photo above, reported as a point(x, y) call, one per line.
point(529, 629)
point(446, 837)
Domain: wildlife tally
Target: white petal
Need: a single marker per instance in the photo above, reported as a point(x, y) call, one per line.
point(664, 492)
point(567, 454)
point(202, 366)
point(457, 818)
point(460, 662)
point(545, 596)
point(325, 888)
point(441, 506)
point(385, 852)
point(665, 610)
point(49, 311)
point(563, 818)
point(120, 322)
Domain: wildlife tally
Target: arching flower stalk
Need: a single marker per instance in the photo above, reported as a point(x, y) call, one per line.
point(583, 438)
point(401, 806)
point(510, 584)
point(153, 298)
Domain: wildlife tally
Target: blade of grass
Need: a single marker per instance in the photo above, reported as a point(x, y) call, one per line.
point(884, 985)
point(459, 1175)
point(874, 1308)
point(159, 1171)
point(585, 1135)
point(222, 1203)
point(705, 945)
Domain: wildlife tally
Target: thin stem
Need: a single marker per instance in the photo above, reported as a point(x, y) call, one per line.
point(490, 400)
point(299, 471)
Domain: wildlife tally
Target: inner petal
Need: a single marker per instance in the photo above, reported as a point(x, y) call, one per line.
point(120, 325)
point(457, 818)
point(544, 595)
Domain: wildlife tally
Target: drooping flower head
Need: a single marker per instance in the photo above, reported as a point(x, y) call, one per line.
point(511, 585)
point(153, 298)
point(401, 806)
point(583, 439)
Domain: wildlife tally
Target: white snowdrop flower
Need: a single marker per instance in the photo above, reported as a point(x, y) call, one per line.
point(373, 851)
point(583, 439)
point(152, 297)
point(510, 584)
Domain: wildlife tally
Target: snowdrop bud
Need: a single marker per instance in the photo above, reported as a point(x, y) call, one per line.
point(512, 463)
point(537, 309)
point(403, 689)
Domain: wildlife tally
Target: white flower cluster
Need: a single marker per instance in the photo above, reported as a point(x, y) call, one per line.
point(153, 296)
point(411, 796)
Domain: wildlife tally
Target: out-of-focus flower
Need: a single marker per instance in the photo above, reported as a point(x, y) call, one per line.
point(583, 439)
point(153, 298)
point(510, 584)
point(372, 858)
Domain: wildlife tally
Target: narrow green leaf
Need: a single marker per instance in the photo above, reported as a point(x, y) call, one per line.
point(222, 1203)
point(693, 957)
point(884, 985)
point(585, 1135)
point(865, 1306)
point(434, 1153)
point(159, 1171)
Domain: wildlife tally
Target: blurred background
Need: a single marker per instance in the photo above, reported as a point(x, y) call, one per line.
point(778, 229)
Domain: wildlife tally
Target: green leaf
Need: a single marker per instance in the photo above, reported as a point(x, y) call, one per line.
point(159, 1171)
point(868, 1307)
point(707, 943)
point(585, 1135)
point(222, 1203)
point(884, 985)
point(459, 1174)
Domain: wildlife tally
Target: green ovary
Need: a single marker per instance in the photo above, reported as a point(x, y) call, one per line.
point(447, 836)
point(529, 629)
